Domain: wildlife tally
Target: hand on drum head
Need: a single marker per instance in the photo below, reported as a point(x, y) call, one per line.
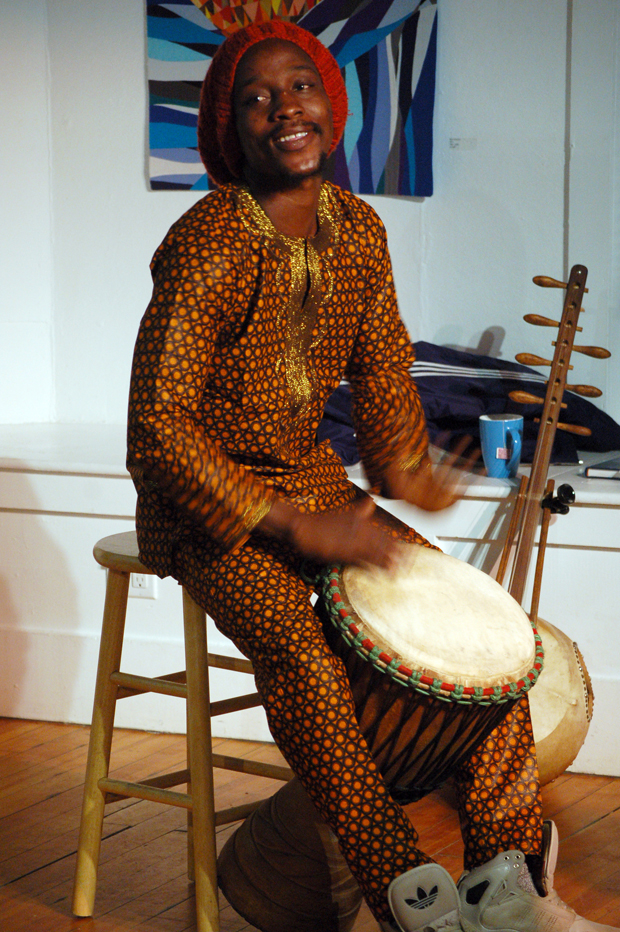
point(348, 536)
point(432, 487)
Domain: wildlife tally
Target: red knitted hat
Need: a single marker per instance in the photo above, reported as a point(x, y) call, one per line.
point(218, 142)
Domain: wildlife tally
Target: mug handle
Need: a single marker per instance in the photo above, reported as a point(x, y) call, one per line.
point(515, 436)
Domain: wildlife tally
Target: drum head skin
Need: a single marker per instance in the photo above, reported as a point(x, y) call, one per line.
point(560, 703)
point(441, 617)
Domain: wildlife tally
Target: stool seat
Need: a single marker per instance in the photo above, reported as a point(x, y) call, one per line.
point(119, 553)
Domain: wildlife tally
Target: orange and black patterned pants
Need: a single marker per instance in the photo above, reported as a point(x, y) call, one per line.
point(259, 600)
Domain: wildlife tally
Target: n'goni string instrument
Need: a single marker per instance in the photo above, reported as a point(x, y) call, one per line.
point(561, 702)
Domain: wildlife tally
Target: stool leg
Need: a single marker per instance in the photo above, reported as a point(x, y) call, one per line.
point(191, 876)
point(199, 741)
point(100, 743)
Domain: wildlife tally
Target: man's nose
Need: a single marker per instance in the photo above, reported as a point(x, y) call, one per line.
point(285, 105)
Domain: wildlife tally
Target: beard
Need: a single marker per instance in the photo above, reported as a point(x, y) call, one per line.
point(282, 178)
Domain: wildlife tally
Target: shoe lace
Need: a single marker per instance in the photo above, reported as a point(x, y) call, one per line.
point(448, 923)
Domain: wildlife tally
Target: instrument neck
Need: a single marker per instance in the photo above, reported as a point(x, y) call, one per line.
point(548, 426)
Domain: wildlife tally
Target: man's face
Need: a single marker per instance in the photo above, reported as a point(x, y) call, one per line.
point(283, 114)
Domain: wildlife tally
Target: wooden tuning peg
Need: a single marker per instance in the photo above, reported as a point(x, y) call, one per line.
point(588, 391)
point(525, 398)
point(539, 321)
point(571, 428)
point(598, 352)
point(543, 281)
point(575, 429)
point(528, 359)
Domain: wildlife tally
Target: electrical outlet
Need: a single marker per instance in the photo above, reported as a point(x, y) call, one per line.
point(143, 586)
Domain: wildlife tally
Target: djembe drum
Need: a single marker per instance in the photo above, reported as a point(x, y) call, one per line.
point(435, 654)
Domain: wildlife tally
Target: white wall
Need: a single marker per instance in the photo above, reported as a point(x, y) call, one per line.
point(75, 200)
point(496, 218)
point(106, 223)
point(26, 318)
point(593, 221)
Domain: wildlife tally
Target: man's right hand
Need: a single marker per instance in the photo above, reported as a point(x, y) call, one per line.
point(347, 536)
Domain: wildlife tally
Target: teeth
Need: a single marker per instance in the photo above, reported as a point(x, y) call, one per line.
point(292, 136)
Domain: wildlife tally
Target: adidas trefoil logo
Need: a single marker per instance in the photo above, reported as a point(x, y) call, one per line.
point(424, 899)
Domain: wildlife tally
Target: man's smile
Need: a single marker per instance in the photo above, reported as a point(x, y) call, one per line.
point(291, 137)
point(294, 139)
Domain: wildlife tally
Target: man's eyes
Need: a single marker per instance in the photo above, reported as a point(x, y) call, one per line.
point(262, 96)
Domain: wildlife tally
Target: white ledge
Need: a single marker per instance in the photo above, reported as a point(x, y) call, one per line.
point(99, 450)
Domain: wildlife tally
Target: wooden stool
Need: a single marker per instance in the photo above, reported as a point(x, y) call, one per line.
point(119, 553)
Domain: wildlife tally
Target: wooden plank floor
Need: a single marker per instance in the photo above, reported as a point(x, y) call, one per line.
point(142, 880)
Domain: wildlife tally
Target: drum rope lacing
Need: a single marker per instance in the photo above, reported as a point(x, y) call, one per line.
point(352, 631)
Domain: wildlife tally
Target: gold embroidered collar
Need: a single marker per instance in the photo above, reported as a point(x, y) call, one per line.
point(310, 287)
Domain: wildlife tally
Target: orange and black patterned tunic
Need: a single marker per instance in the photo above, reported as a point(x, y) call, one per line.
point(247, 335)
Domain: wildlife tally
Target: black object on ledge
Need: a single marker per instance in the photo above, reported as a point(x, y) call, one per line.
point(457, 387)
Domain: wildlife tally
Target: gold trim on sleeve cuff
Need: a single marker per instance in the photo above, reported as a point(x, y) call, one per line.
point(255, 512)
point(411, 463)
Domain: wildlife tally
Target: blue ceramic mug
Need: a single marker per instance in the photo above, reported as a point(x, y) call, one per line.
point(500, 440)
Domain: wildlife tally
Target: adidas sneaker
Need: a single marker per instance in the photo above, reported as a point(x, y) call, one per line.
point(500, 896)
point(424, 899)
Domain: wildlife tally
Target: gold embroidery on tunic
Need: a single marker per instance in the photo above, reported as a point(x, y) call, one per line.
point(310, 286)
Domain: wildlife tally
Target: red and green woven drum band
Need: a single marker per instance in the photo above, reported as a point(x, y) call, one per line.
point(357, 638)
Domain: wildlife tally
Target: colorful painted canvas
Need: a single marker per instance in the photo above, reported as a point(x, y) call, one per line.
point(387, 52)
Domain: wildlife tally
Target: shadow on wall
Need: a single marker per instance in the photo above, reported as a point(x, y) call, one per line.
point(489, 344)
point(13, 647)
point(38, 606)
point(485, 540)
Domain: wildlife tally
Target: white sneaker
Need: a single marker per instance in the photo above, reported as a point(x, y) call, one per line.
point(499, 896)
point(424, 899)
